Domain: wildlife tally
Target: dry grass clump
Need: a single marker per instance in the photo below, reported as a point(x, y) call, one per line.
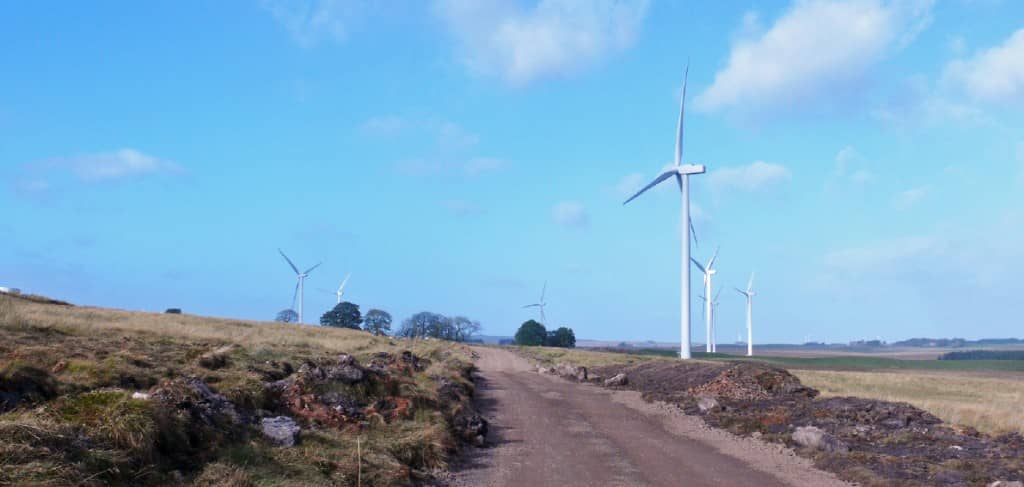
point(69, 374)
point(988, 404)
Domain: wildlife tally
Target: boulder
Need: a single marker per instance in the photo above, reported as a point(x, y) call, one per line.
point(815, 438)
point(616, 381)
point(281, 430)
point(471, 428)
point(707, 403)
point(572, 372)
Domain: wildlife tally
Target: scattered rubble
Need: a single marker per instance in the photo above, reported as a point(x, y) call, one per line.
point(618, 380)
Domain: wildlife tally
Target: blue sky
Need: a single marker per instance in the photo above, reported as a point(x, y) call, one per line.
point(865, 158)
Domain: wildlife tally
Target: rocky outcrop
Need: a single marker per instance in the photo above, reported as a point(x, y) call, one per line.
point(281, 430)
point(707, 403)
point(618, 380)
point(816, 439)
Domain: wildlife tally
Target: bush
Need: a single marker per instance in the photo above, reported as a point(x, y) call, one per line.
point(173, 311)
point(531, 334)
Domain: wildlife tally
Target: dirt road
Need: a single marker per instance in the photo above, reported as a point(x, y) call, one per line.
point(548, 431)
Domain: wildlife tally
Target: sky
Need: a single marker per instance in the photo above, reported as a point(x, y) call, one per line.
point(864, 157)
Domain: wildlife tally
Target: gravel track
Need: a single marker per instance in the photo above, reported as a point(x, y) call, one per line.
point(549, 431)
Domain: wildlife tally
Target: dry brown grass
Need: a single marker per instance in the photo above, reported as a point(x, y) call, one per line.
point(989, 404)
point(551, 356)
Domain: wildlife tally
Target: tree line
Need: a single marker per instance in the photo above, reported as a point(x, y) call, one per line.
point(424, 324)
point(534, 334)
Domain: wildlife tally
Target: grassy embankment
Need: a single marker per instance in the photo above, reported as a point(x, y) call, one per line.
point(74, 371)
point(954, 390)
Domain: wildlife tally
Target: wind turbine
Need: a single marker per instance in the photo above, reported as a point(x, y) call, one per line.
point(682, 173)
point(541, 304)
point(749, 293)
point(341, 289)
point(299, 285)
point(714, 323)
point(709, 317)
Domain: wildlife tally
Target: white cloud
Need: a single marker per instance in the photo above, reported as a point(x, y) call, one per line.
point(814, 47)
point(554, 37)
point(119, 164)
point(885, 257)
point(311, 22)
point(752, 177)
point(571, 214)
point(910, 197)
point(993, 75)
point(848, 164)
point(629, 185)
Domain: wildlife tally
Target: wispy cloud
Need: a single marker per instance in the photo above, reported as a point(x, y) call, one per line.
point(383, 125)
point(105, 167)
point(571, 214)
point(814, 48)
point(310, 22)
point(752, 177)
point(992, 75)
point(554, 37)
point(911, 197)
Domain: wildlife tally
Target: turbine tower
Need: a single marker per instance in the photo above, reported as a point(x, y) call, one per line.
point(714, 323)
point(709, 316)
point(682, 173)
point(299, 285)
point(341, 289)
point(541, 304)
point(749, 293)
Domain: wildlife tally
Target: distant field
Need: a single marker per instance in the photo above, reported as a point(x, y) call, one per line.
point(983, 394)
point(989, 404)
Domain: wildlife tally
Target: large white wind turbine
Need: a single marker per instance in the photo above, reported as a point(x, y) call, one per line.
point(299, 285)
point(682, 173)
point(341, 289)
point(541, 304)
point(749, 293)
point(709, 316)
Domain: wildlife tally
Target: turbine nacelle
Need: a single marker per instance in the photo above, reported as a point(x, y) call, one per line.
point(688, 169)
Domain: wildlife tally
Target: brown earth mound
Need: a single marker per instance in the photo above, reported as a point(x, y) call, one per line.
point(869, 442)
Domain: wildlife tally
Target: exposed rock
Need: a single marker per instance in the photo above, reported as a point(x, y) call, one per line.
point(817, 439)
point(200, 401)
point(618, 380)
point(281, 430)
point(571, 372)
point(471, 428)
point(142, 396)
point(707, 403)
point(1006, 483)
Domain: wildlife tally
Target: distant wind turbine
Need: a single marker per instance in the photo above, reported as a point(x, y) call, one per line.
point(749, 293)
point(541, 304)
point(709, 316)
point(299, 285)
point(341, 289)
point(682, 173)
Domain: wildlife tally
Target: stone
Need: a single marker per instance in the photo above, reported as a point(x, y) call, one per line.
point(617, 381)
point(142, 396)
point(281, 430)
point(816, 439)
point(1006, 483)
point(707, 403)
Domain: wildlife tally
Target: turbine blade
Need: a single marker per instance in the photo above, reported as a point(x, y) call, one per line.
point(342, 286)
point(740, 291)
point(311, 268)
point(716, 296)
point(295, 295)
point(702, 269)
point(663, 176)
point(711, 262)
point(693, 233)
point(679, 128)
point(532, 306)
point(750, 284)
point(296, 269)
point(543, 291)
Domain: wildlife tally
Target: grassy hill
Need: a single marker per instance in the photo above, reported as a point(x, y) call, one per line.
point(97, 397)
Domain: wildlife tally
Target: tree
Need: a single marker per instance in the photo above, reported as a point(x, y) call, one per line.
point(421, 325)
point(463, 328)
point(377, 322)
point(562, 337)
point(344, 315)
point(287, 316)
point(531, 334)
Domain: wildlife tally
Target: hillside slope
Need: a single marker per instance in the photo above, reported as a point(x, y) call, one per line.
point(97, 397)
